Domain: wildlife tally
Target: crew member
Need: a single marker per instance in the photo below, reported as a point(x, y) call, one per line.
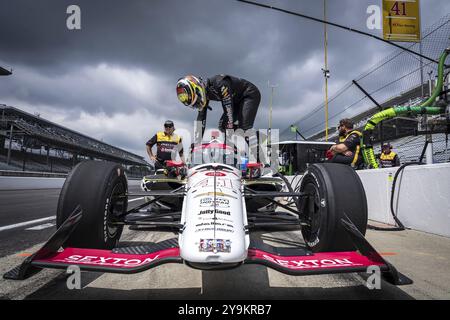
point(240, 99)
point(347, 151)
point(167, 142)
point(388, 158)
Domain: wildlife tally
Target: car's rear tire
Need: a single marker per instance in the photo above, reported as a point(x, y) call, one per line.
point(336, 189)
point(95, 186)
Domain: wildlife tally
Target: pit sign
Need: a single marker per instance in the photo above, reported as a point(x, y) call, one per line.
point(401, 20)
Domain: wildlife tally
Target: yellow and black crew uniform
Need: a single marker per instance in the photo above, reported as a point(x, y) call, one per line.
point(389, 160)
point(166, 146)
point(352, 141)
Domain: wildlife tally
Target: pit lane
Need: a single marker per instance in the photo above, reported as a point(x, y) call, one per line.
point(423, 257)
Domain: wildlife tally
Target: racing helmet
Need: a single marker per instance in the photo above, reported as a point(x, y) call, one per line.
point(191, 92)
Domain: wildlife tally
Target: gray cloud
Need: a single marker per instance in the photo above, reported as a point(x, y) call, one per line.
point(127, 57)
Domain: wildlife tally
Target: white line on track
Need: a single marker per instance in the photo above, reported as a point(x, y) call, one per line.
point(26, 223)
point(41, 226)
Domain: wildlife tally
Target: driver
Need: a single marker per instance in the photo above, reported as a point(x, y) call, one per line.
point(240, 99)
point(166, 143)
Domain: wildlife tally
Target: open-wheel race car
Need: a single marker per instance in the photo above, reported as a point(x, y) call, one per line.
point(214, 207)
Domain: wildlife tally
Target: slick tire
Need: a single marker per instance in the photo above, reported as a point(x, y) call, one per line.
point(336, 189)
point(96, 187)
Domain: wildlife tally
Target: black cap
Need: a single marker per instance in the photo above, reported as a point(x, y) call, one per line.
point(386, 145)
point(168, 123)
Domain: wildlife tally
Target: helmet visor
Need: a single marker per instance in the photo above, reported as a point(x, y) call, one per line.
point(184, 95)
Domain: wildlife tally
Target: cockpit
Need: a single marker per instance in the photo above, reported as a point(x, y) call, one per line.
point(215, 152)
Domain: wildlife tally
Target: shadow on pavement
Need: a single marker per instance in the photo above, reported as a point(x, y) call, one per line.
point(247, 282)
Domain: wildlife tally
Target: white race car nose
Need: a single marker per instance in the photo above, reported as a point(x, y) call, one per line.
point(214, 216)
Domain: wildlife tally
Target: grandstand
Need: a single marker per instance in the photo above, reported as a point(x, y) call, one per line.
point(31, 143)
point(407, 98)
point(398, 79)
point(406, 135)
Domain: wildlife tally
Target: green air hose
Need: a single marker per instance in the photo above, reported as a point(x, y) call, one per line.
point(424, 108)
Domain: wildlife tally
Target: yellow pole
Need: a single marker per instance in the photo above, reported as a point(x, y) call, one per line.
point(326, 68)
point(269, 132)
point(270, 110)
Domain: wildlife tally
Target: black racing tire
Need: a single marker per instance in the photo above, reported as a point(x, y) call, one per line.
point(337, 189)
point(94, 185)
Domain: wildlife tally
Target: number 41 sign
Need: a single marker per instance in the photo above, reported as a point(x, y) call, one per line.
point(401, 20)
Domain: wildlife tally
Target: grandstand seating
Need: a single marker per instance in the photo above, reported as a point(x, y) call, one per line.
point(35, 133)
point(35, 162)
point(43, 130)
point(408, 148)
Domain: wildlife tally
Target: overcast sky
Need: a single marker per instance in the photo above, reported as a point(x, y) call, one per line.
point(115, 78)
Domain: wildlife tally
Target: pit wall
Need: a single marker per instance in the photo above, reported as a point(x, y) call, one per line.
point(421, 200)
point(11, 180)
point(30, 183)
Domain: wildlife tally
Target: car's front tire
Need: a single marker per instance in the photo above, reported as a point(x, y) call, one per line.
point(99, 188)
point(336, 190)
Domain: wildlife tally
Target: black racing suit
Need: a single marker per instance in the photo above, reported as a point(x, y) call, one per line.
point(240, 101)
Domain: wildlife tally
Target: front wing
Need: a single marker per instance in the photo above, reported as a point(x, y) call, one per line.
point(133, 259)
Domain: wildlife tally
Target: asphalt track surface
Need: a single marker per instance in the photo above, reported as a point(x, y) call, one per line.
point(423, 257)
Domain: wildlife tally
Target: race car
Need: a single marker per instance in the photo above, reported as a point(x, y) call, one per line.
point(214, 204)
